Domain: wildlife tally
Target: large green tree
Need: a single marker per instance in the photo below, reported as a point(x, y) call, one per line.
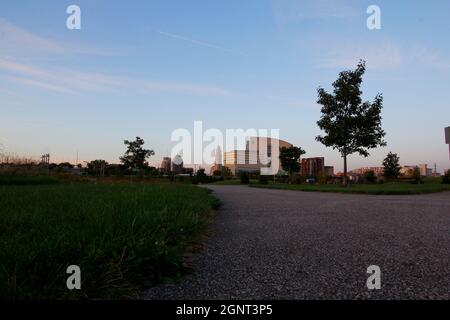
point(350, 125)
point(391, 166)
point(290, 159)
point(97, 167)
point(135, 156)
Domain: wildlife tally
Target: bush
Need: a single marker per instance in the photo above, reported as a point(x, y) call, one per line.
point(226, 173)
point(298, 179)
point(417, 178)
point(322, 178)
point(446, 177)
point(244, 177)
point(201, 176)
point(370, 177)
point(263, 179)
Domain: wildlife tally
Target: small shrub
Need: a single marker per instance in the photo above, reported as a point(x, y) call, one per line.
point(298, 179)
point(322, 178)
point(416, 178)
point(446, 177)
point(244, 177)
point(263, 179)
point(370, 177)
point(201, 176)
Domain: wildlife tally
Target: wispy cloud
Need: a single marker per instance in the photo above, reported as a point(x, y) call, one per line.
point(378, 56)
point(40, 84)
point(189, 88)
point(200, 43)
point(63, 80)
point(429, 58)
point(286, 11)
point(17, 41)
point(13, 38)
point(382, 55)
point(8, 65)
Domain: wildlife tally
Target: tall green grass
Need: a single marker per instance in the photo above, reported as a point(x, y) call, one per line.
point(124, 237)
point(9, 179)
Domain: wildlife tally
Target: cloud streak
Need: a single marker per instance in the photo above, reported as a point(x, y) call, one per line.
point(287, 11)
point(382, 55)
point(200, 43)
point(75, 81)
point(13, 38)
point(377, 56)
point(17, 41)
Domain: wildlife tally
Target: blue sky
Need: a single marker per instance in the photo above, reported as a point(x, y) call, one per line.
point(148, 67)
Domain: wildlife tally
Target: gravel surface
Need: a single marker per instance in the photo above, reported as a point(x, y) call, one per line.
point(279, 244)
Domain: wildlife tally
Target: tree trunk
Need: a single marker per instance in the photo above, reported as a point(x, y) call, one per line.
point(345, 182)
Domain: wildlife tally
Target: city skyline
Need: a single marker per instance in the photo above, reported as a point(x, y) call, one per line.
point(232, 65)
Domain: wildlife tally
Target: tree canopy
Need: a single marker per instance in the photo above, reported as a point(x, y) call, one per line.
point(135, 156)
point(391, 166)
point(290, 159)
point(350, 125)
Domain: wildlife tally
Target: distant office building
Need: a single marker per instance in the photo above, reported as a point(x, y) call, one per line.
point(329, 170)
point(423, 169)
point(166, 165)
point(177, 164)
point(435, 173)
point(257, 155)
point(361, 171)
point(407, 170)
point(312, 167)
point(239, 160)
point(218, 164)
point(214, 168)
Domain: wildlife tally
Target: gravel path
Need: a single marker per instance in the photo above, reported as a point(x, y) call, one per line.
point(278, 244)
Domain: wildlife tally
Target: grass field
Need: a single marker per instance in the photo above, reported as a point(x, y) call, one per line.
point(124, 237)
point(386, 188)
point(21, 179)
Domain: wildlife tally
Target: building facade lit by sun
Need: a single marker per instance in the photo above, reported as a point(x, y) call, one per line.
point(257, 154)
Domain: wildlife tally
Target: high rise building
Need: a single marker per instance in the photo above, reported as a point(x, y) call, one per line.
point(312, 167)
point(423, 169)
point(407, 170)
point(177, 164)
point(379, 171)
point(166, 164)
point(257, 155)
point(329, 170)
point(217, 165)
